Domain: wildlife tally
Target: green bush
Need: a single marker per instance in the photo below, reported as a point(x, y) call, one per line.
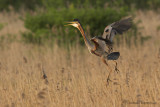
point(75, 3)
point(37, 37)
point(17, 4)
point(1, 26)
point(137, 4)
point(57, 4)
point(53, 21)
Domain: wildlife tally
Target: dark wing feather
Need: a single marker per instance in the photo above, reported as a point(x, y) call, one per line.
point(122, 25)
point(113, 56)
point(117, 27)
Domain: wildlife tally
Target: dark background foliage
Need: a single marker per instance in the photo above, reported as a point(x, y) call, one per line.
point(48, 24)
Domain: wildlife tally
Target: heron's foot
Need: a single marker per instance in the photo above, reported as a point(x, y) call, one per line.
point(116, 69)
point(108, 80)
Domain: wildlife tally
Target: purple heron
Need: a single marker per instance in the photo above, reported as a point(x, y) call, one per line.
point(102, 46)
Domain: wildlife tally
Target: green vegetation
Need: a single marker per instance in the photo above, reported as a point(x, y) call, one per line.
point(136, 4)
point(51, 23)
point(94, 15)
point(158, 28)
point(18, 4)
point(1, 26)
point(31, 4)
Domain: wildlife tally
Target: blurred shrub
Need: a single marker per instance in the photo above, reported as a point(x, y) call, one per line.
point(37, 37)
point(51, 23)
point(137, 4)
point(1, 26)
point(31, 4)
point(75, 3)
point(158, 28)
point(143, 39)
point(17, 4)
point(7, 39)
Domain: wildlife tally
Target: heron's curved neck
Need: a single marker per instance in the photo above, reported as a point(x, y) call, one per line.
point(86, 40)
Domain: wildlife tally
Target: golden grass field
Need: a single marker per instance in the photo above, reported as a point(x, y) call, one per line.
point(76, 78)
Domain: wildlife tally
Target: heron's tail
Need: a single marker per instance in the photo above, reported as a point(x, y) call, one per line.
point(113, 56)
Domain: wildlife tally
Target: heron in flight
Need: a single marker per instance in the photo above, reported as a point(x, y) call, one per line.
point(102, 46)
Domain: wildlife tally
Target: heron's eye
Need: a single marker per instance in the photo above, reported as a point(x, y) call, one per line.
point(107, 30)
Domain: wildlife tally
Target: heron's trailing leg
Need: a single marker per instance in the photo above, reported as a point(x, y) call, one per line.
point(108, 78)
point(110, 70)
point(116, 69)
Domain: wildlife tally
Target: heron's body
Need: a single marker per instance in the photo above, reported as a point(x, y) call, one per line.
point(102, 46)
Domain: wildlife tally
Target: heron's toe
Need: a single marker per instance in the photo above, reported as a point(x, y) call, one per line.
point(116, 70)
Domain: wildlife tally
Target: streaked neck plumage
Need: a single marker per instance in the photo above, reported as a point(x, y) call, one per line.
point(86, 40)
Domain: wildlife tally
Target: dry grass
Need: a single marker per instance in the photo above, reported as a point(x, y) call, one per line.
point(78, 78)
point(149, 22)
point(12, 23)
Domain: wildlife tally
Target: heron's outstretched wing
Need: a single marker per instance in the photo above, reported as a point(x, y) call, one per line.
point(117, 27)
point(105, 41)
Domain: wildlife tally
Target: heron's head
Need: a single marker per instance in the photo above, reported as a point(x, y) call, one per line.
point(74, 23)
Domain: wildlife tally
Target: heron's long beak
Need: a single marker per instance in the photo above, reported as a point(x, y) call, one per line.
point(73, 23)
point(77, 25)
